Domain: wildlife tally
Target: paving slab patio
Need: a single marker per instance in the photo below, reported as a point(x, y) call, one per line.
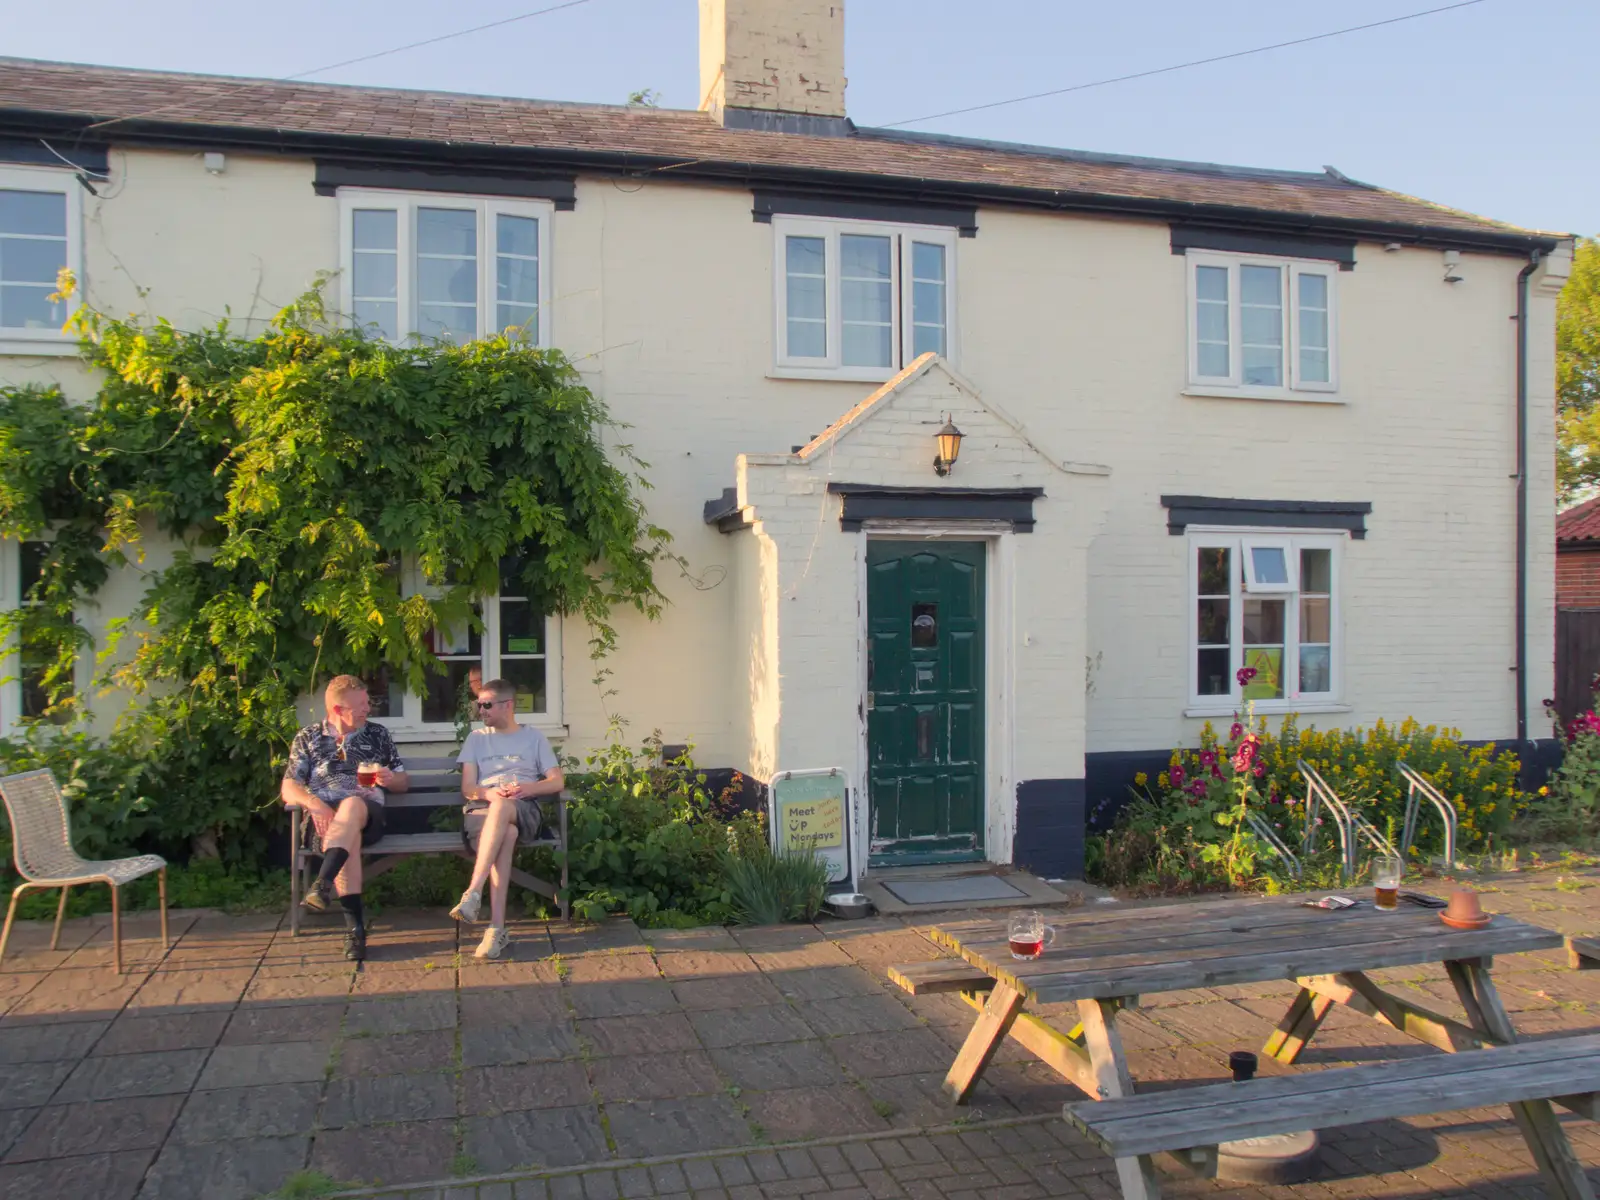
point(604, 1060)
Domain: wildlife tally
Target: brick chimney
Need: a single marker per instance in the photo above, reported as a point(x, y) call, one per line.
point(774, 64)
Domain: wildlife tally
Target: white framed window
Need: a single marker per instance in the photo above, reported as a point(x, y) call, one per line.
point(1262, 327)
point(860, 299)
point(41, 234)
point(445, 267)
point(1270, 603)
point(22, 667)
point(516, 643)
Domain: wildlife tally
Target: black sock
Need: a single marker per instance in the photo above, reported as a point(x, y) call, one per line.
point(354, 916)
point(333, 861)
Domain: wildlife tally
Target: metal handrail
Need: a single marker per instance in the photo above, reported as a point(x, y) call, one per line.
point(1420, 789)
point(1320, 795)
point(1269, 835)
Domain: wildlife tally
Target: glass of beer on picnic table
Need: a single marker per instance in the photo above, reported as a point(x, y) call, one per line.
point(1386, 872)
point(1028, 934)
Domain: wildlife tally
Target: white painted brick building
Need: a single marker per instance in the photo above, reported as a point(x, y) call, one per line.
point(1212, 415)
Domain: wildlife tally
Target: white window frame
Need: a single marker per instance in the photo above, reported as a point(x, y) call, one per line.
point(405, 205)
point(408, 721)
point(21, 341)
point(1236, 540)
point(787, 366)
point(1291, 563)
point(1294, 386)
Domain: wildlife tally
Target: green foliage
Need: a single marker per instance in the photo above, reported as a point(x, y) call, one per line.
point(307, 1185)
point(645, 839)
point(1183, 831)
point(768, 888)
point(1567, 809)
point(296, 471)
point(1578, 376)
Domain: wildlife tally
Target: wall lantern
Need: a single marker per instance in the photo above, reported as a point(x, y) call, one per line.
point(948, 440)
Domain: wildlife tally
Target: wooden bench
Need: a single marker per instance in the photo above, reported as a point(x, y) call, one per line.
point(1063, 1052)
point(435, 783)
point(1583, 953)
point(1191, 1122)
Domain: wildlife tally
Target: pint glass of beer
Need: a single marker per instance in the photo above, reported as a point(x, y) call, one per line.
point(1386, 872)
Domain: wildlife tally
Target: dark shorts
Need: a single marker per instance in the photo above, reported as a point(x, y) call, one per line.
point(371, 832)
point(529, 820)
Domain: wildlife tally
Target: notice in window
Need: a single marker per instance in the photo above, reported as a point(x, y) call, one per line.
point(1268, 681)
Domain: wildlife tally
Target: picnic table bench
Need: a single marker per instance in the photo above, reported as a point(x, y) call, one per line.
point(1102, 961)
point(435, 783)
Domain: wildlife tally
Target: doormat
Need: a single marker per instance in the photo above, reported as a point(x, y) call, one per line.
point(949, 891)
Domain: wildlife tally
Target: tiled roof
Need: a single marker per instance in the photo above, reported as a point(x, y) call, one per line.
point(152, 103)
point(1580, 523)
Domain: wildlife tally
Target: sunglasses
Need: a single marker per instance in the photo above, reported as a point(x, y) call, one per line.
point(489, 703)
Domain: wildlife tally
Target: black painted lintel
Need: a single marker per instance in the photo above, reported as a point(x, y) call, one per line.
point(1348, 515)
point(1263, 241)
point(332, 175)
point(845, 207)
point(870, 502)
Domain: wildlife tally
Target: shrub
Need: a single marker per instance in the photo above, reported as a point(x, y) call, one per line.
point(767, 888)
point(1568, 808)
point(644, 840)
point(1182, 833)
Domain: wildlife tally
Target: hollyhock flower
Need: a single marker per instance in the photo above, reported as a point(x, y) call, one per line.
point(1259, 770)
point(1234, 731)
point(1244, 675)
point(1216, 771)
point(1207, 757)
point(1177, 776)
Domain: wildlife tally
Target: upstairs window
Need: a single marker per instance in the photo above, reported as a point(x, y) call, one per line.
point(1268, 603)
point(860, 300)
point(40, 236)
point(1261, 327)
point(445, 268)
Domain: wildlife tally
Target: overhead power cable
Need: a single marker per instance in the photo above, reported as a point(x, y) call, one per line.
point(1199, 62)
point(443, 37)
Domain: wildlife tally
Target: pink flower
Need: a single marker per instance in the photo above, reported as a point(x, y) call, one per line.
point(1216, 771)
point(1259, 770)
point(1234, 731)
point(1197, 788)
point(1176, 775)
point(1208, 758)
point(1244, 675)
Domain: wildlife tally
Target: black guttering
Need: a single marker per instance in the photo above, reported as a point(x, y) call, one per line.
point(414, 152)
point(1522, 495)
point(1350, 515)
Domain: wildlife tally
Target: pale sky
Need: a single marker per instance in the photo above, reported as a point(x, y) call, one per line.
point(1490, 108)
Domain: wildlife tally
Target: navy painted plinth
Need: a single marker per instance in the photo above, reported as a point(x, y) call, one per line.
point(1049, 837)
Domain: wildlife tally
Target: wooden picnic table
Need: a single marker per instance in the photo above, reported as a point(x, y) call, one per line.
point(1104, 958)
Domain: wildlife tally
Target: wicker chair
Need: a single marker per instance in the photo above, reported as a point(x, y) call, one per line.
point(42, 844)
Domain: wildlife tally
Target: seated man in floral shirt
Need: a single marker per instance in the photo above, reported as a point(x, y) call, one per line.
point(321, 778)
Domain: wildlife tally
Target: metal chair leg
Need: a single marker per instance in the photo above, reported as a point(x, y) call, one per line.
point(61, 911)
point(161, 883)
point(116, 924)
point(11, 915)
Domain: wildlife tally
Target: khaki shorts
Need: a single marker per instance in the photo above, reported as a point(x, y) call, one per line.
point(529, 819)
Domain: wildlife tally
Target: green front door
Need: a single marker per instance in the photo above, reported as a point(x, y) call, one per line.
point(925, 723)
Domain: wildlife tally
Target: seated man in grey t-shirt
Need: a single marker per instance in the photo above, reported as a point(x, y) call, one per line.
point(505, 767)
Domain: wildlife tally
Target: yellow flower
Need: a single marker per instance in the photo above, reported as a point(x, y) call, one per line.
point(1544, 791)
point(1140, 779)
point(1164, 780)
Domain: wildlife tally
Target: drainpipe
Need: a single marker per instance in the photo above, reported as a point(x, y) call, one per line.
point(1522, 496)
